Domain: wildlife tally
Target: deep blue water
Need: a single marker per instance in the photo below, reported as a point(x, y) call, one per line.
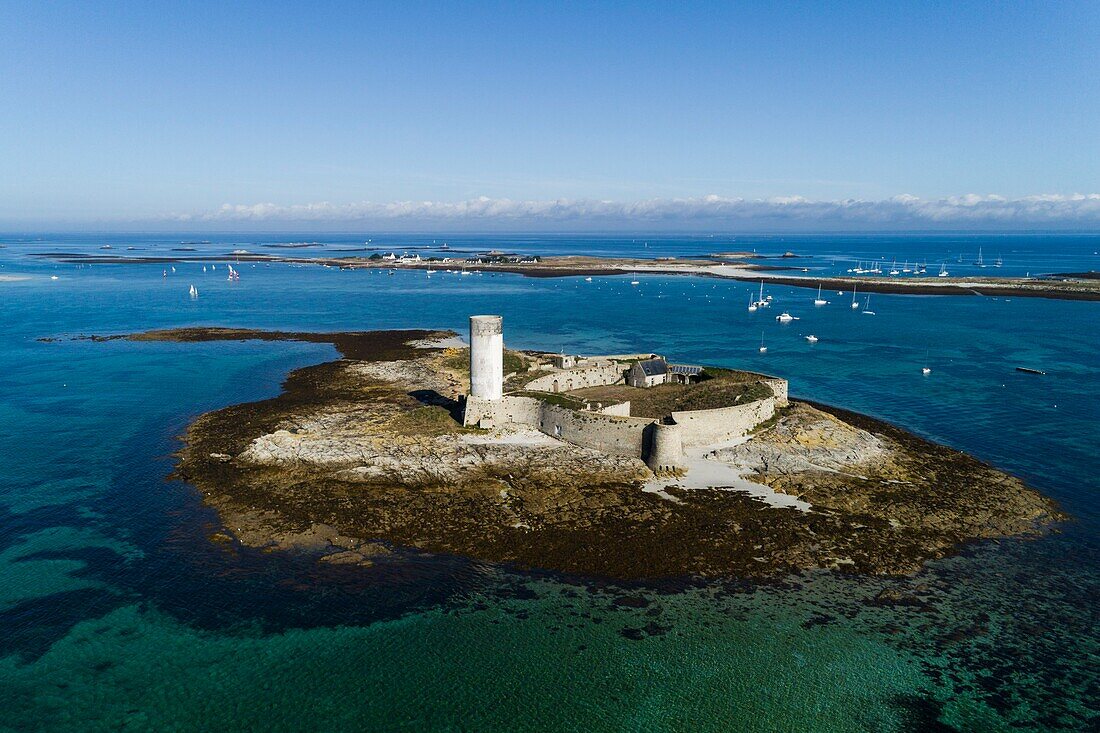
point(118, 612)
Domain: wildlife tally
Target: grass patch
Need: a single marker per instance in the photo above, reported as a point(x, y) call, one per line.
point(428, 420)
point(663, 399)
point(459, 360)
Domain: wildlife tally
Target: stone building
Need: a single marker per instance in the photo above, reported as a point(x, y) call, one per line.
point(651, 372)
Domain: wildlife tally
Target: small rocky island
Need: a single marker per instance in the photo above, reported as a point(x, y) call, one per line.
point(621, 466)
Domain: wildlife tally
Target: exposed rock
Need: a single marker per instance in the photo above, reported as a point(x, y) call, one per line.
point(364, 451)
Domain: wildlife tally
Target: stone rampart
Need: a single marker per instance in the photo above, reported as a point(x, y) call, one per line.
point(569, 379)
point(707, 427)
point(611, 434)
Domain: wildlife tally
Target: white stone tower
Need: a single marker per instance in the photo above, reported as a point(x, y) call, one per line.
point(486, 357)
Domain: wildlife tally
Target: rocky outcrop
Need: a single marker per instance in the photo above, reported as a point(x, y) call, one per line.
point(364, 454)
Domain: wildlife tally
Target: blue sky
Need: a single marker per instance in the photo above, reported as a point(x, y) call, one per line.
point(435, 115)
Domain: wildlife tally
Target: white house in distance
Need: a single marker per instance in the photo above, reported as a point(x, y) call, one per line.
point(651, 372)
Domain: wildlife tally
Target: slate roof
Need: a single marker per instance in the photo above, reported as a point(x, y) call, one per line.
point(653, 367)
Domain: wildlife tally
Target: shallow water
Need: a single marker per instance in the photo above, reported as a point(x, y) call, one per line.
point(118, 613)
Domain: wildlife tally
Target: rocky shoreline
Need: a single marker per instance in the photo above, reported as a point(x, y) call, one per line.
point(363, 455)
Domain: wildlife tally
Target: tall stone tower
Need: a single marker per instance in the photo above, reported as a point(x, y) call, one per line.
point(486, 357)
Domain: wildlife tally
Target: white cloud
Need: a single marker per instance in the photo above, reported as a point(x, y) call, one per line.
point(965, 211)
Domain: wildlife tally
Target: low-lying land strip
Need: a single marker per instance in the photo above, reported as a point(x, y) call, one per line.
point(1064, 286)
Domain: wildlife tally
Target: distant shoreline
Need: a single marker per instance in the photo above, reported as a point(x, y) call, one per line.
point(1069, 286)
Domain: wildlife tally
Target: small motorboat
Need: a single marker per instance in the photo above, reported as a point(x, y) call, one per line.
point(812, 339)
point(785, 317)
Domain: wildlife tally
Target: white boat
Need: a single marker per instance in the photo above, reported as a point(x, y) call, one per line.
point(53, 277)
point(980, 262)
point(761, 302)
point(812, 339)
point(894, 268)
point(763, 348)
point(905, 267)
point(633, 278)
point(999, 262)
point(194, 292)
point(943, 270)
point(866, 307)
point(925, 370)
point(786, 317)
point(752, 306)
point(588, 279)
point(204, 268)
point(854, 303)
point(819, 300)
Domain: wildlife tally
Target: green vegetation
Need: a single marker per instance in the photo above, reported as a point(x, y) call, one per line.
point(663, 399)
point(459, 361)
point(426, 421)
point(514, 362)
point(731, 375)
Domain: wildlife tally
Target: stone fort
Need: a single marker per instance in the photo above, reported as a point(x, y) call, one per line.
point(544, 402)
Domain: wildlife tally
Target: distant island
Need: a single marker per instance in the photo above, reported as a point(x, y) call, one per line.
point(745, 266)
point(627, 466)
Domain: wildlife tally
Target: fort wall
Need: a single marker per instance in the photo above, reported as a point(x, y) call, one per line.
point(707, 427)
point(567, 380)
point(611, 434)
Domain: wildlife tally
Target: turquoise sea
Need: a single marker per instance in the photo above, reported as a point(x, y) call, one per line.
point(117, 613)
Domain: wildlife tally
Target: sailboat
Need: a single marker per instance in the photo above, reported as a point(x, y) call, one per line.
point(926, 369)
point(752, 306)
point(633, 278)
point(819, 300)
point(980, 262)
point(854, 303)
point(867, 306)
point(999, 262)
point(894, 268)
point(905, 267)
point(194, 292)
point(763, 348)
point(943, 270)
point(761, 302)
